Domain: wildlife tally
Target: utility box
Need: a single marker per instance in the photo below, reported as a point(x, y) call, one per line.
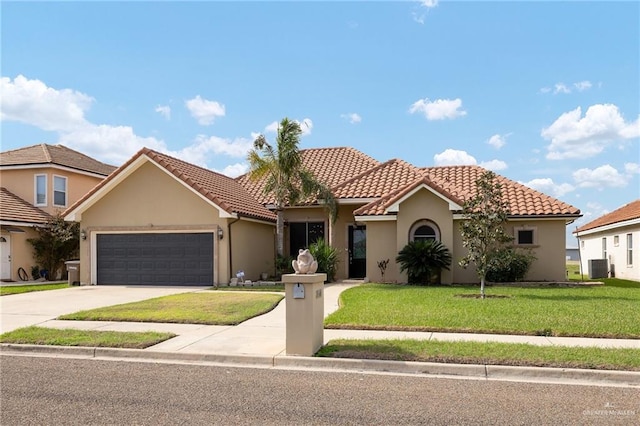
point(304, 294)
point(597, 268)
point(73, 270)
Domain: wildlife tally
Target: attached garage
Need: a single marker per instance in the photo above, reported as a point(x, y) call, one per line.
point(172, 259)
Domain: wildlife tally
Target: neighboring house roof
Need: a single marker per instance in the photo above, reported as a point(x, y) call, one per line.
point(331, 166)
point(17, 211)
point(60, 155)
point(226, 193)
point(626, 213)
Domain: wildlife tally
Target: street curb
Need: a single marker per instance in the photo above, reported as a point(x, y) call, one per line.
point(477, 371)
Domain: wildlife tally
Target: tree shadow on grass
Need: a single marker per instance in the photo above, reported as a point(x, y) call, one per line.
point(573, 298)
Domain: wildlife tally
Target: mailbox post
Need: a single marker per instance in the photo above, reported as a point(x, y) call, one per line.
point(304, 294)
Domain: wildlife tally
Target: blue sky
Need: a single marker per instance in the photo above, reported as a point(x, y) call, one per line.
point(544, 93)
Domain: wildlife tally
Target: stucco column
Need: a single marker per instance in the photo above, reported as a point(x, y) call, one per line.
point(304, 294)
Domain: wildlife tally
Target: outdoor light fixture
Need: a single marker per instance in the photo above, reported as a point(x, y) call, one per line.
point(220, 234)
point(83, 234)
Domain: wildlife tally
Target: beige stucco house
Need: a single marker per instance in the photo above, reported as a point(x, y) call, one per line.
point(160, 220)
point(611, 238)
point(36, 182)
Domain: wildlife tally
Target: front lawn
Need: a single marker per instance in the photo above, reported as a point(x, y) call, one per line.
point(490, 353)
point(602, 311)
point(27, 288)
point(91, 338)
point(213, 308)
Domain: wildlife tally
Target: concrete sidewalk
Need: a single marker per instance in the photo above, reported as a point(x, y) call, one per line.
point(261, 341)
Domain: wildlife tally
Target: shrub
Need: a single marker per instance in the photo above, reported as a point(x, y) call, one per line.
point(327, 258)
point(423, 260)
point(283, 266)
point(509, 264)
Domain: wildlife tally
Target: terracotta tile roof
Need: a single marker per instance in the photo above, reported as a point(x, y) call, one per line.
point(332, 166)
point(457, 183)
point(627, 212)
point(15, 209)
point(222, 190)
point(54, 154)
point(378, 181)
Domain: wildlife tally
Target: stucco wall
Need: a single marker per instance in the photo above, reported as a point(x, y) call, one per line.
point(21, 251)
point(22, 183)
point(591, 248)
point(149, 200)
point(549, 249)
point(381, 245)
point(425, 205)
point(253, 249)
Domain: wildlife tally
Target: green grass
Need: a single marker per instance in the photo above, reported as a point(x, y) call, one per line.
point(485, 353)
point(18, 289)
point(252, 288)
point(601, 311)
point(219, 308)
point(90, 338)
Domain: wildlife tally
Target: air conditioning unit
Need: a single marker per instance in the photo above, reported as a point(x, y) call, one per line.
point(598, 268)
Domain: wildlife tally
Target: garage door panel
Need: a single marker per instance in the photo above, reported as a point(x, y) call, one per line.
point(155, 259)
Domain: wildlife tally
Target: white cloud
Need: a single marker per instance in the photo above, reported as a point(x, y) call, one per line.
point(205, 111)
point(234, 170)
point(204, 145)
point(164, 110)
point(439, 109)
point(574, 136)
point(454, 157)
point(581, 86)
point(545, 90)
point(424, 4)
point(548, 186)
point(498, 141)
point(494, 165)
point(561, 88)
point(352, 117)
point(600, 178)
point(632, 168)
point(305, 126)
point(32, 102)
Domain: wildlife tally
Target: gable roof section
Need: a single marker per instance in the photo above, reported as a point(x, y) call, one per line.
point(458, 184)
point(626, 213)
point(332, 166)
point(15, 210)
point(60, 155)
point(222, 191)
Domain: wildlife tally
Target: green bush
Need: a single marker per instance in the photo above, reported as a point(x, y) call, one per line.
point(327, 258)
point(283, 266)
point(423, 261)
point(509, 264)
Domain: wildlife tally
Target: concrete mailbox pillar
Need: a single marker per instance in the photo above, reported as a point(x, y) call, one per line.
point(304, 294)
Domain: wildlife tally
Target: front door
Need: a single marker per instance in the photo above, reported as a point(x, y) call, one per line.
point(357, 251)
point(5, 257)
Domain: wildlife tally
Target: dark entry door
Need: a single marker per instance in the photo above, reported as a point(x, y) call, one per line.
point(357, 251)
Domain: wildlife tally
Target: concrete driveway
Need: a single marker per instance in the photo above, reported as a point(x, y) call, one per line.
point(22, 310)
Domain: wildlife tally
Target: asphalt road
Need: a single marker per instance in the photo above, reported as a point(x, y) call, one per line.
point(59, 391)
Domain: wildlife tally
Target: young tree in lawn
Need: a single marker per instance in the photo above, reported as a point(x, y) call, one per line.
point(286, 178)
point(482, 229)
point(57, 242)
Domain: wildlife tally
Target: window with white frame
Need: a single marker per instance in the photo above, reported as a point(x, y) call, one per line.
point(629, 249)
point(604, 248)
point(40, 190)
point(424, 230)
point(525, 235)
point(60, 191)
point(616, 240)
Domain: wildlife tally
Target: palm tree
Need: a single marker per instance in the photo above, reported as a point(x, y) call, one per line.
point(422, 259)
point(286, 178)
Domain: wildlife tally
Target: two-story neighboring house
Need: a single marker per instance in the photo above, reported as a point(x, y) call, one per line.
point(36, 182)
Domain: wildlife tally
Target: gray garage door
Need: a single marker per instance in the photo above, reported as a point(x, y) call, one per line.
point(155, 259)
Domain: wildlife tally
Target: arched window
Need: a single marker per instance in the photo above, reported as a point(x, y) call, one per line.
point(424, 230)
